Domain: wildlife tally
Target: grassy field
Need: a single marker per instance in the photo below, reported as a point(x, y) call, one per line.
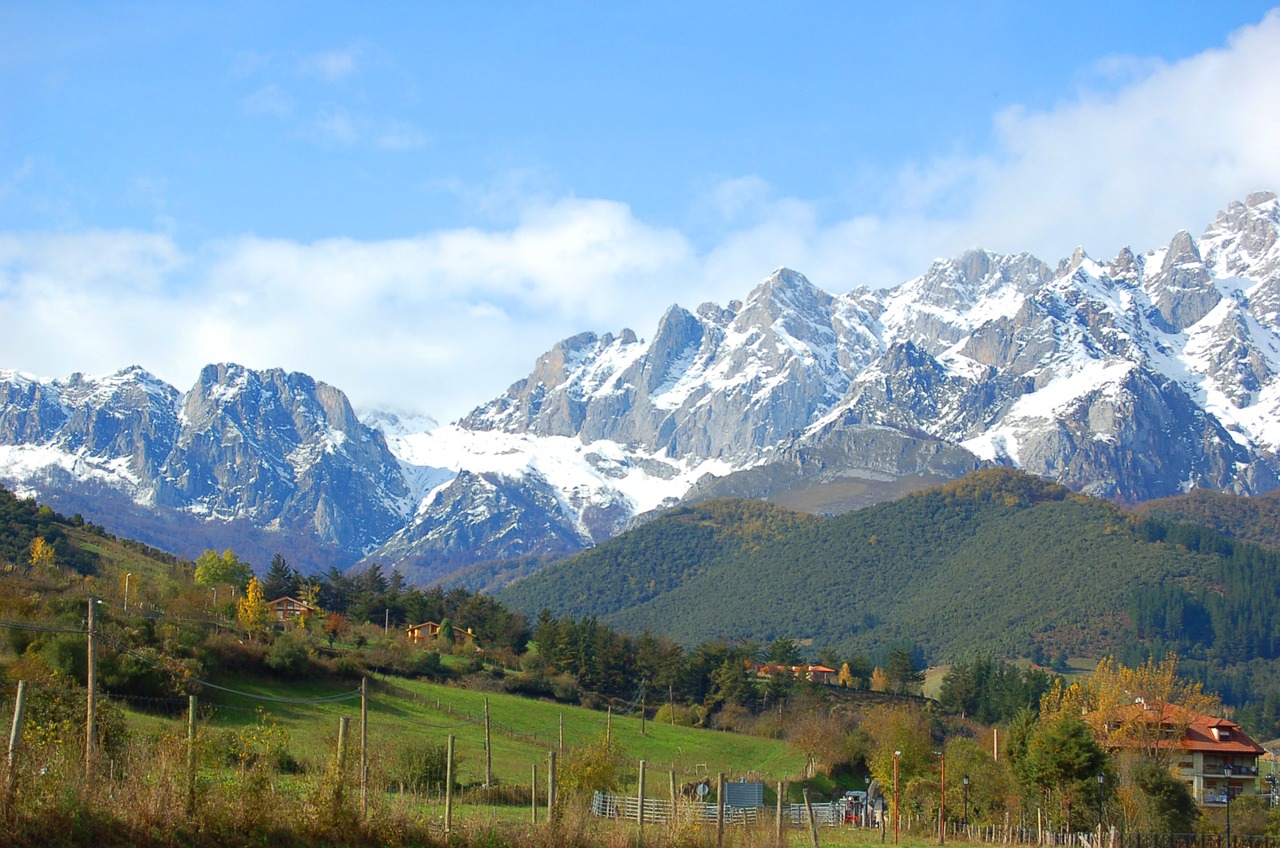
point(404, 713)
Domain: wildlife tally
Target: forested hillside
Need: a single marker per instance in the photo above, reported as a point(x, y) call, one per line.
point(998, 561)
point(658, 558)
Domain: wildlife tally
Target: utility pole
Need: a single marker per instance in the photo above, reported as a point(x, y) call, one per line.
point(942, 801)
point(91, 683)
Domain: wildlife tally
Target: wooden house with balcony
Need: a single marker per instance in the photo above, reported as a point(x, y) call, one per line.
point(287, 609)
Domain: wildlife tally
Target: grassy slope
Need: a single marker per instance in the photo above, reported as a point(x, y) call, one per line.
point(407, 712)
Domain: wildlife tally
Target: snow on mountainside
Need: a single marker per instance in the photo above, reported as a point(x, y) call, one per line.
point(265, 449)
point(1140, 377)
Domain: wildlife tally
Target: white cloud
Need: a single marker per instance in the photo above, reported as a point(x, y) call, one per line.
point(427, 321)
point(337, 126)
point(333, 65)
point(398, 135)
point(445, 320)
point(271, 99)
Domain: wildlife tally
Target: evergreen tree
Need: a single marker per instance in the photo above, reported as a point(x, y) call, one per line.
point(901, 671)
point(281, 579)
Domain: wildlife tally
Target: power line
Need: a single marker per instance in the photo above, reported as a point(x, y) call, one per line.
point(40, 628)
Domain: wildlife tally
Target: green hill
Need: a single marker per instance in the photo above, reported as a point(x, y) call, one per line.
point(996, 562)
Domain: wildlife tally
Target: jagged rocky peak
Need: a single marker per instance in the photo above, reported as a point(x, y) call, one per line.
point(554, 367)
point(1243, 238)
point(784, 295)
point(1126, 267)
point(1182, 290)
point(679, 336)
point(1070, 266)
point(976, 273)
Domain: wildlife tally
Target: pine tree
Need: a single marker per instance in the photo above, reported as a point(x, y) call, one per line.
point(281, 579)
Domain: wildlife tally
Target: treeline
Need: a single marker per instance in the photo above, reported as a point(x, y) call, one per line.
point(991, 691)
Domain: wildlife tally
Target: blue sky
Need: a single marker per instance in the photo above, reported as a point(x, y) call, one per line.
point(413, 201)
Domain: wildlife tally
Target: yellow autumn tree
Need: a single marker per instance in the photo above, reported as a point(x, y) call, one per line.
point(42, 554)
point(1140, 709)
point(251, 610)
point(846, 676)
point(879, 680)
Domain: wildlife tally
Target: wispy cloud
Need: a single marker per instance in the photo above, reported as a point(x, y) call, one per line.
point(270, 99)
point(333, 65)
point(398, 135)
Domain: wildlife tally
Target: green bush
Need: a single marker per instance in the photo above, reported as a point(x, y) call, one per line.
point(289, 655)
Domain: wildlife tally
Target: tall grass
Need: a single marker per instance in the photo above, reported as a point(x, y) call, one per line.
point(138, 796)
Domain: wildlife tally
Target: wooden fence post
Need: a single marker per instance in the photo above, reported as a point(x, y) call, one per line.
point(344, 722)
point(15, 739)
point(191, 755)
point(551, 787)
point(533, 794)
point(488, 747)
point(777, 824)
point(640, 798)
point(675, 798)
point(364, 746)
point(719, 809)
point(813, 820)
point(448, 787)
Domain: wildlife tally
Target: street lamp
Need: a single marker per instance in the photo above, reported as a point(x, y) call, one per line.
point(1102, 778)
point(1226, 772)
point(126, 591)
point(896, 755)
point(965, 781)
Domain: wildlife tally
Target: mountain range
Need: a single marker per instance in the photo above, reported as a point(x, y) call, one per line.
point(1144, 376)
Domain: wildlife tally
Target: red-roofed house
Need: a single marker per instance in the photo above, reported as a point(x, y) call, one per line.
point(1210, 744)
point(1206, 748)
point(816, 673)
